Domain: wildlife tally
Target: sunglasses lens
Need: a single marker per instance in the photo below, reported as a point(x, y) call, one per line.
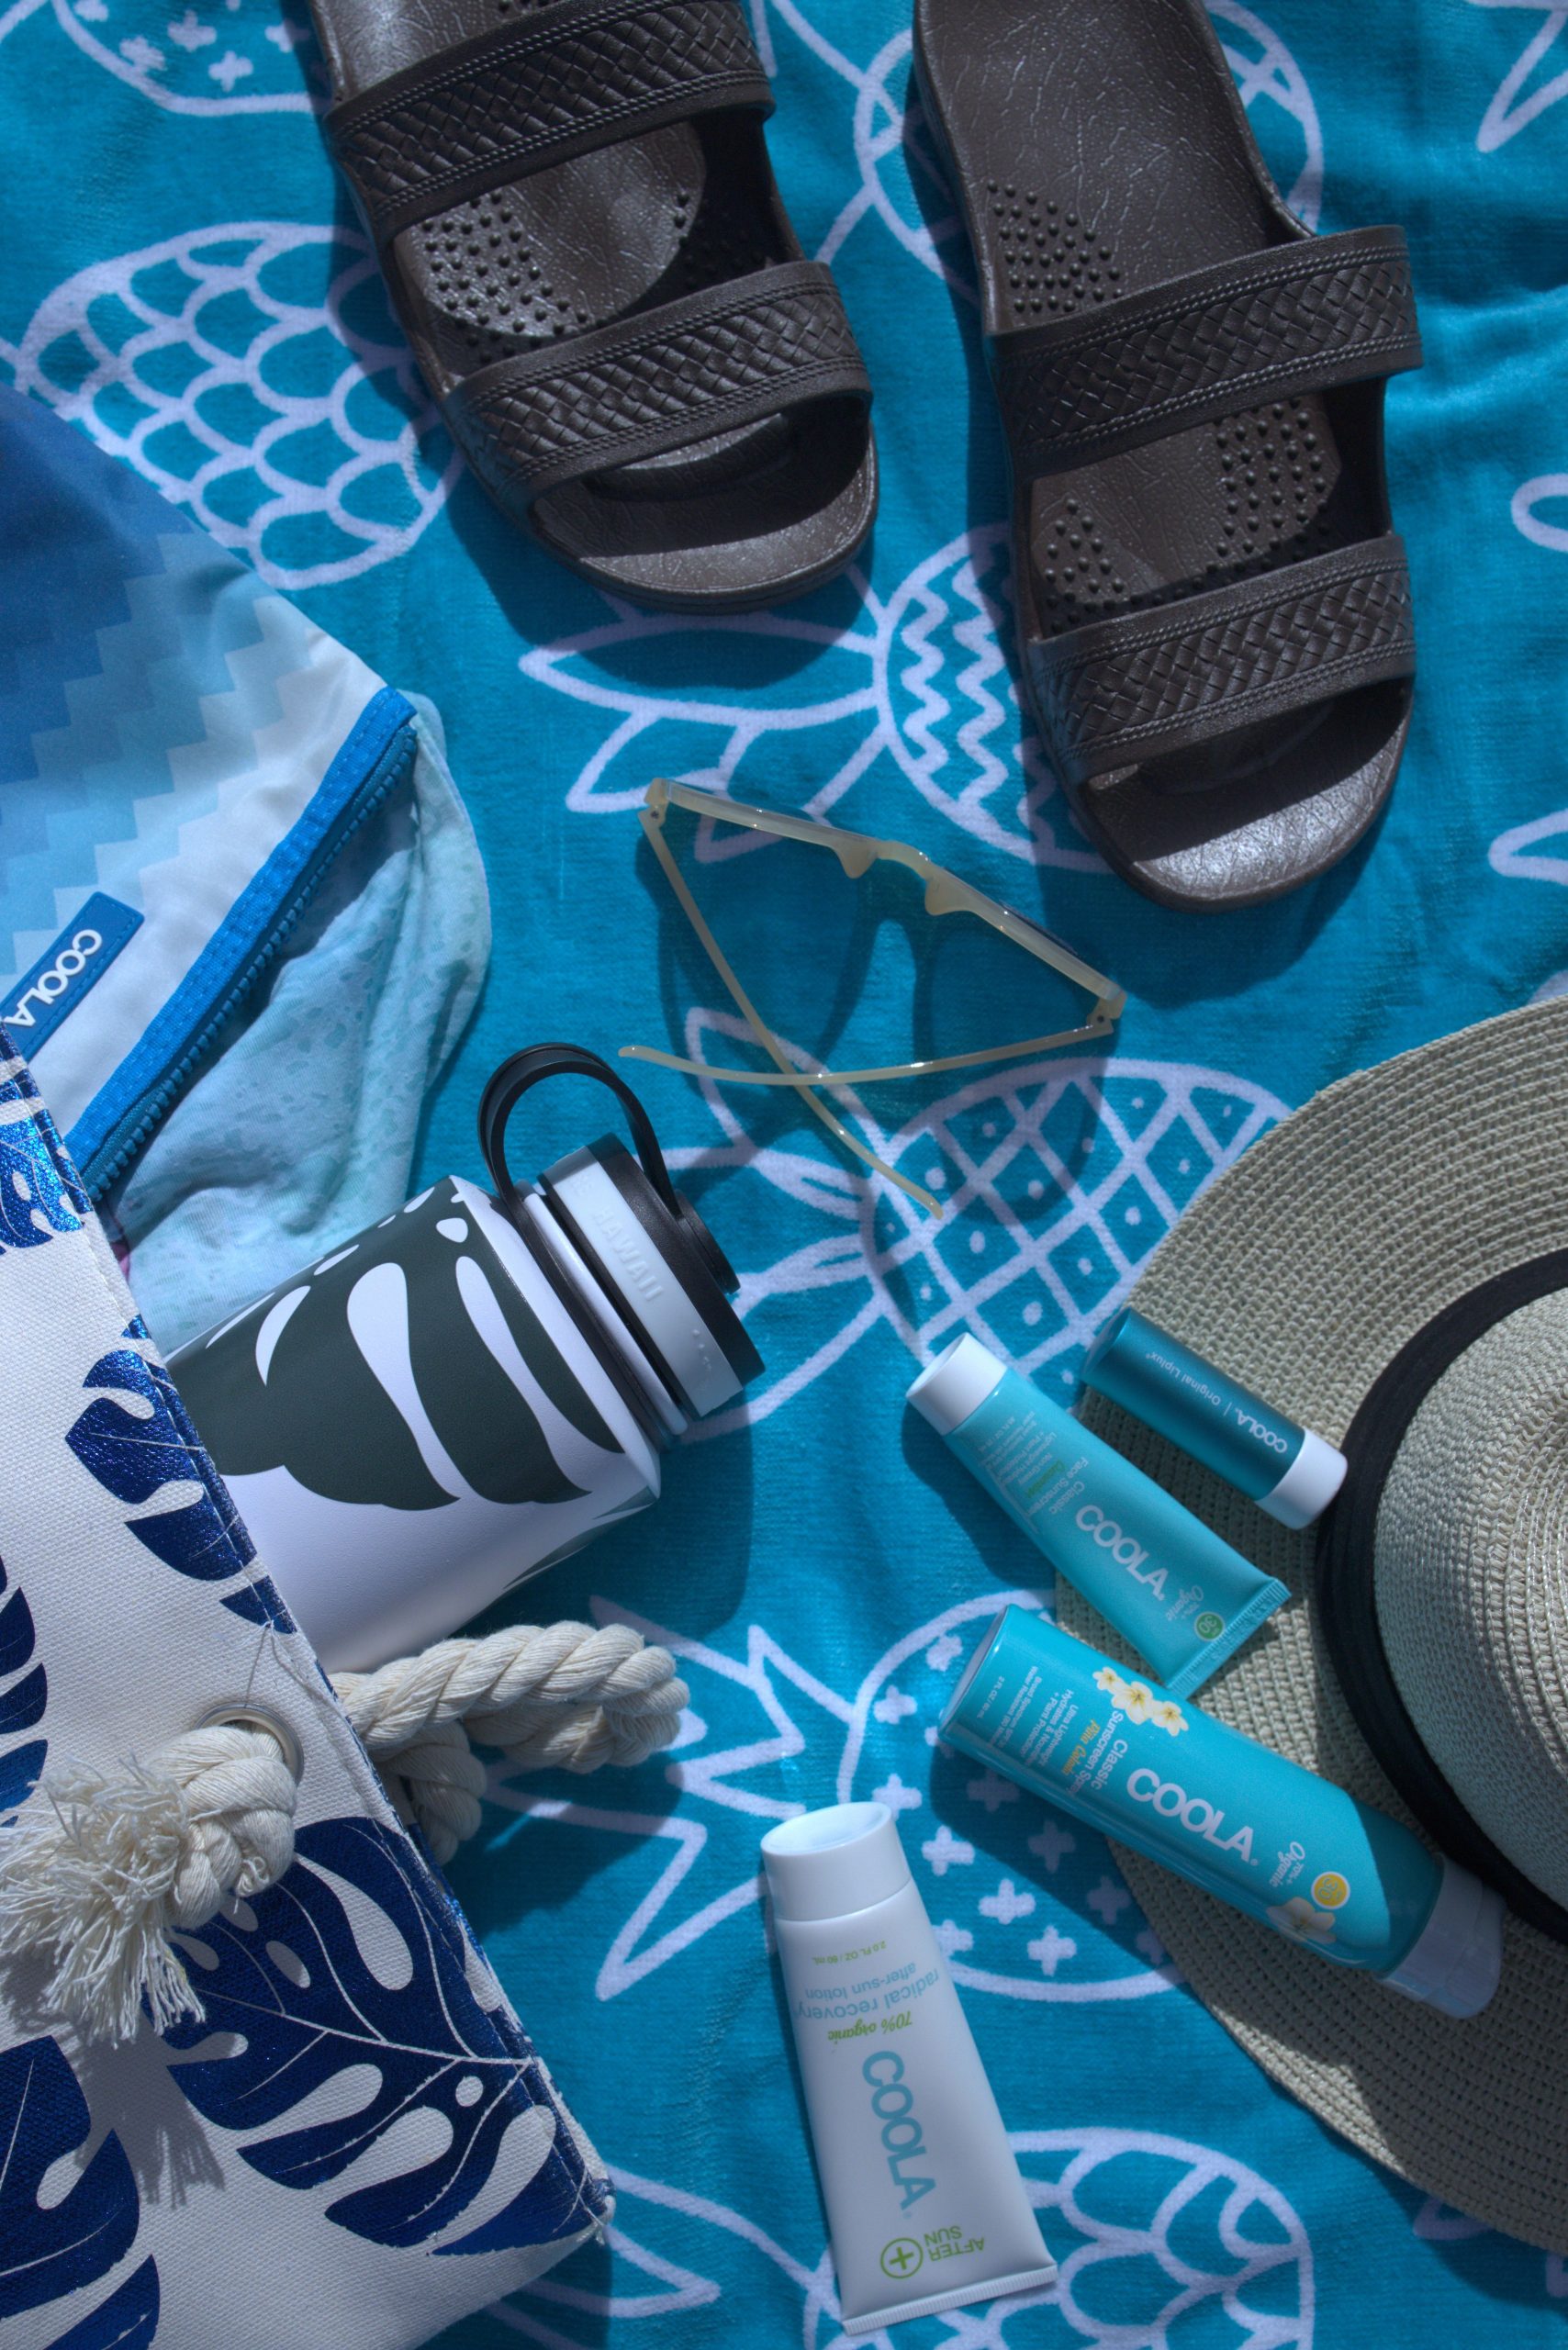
point(847, 973)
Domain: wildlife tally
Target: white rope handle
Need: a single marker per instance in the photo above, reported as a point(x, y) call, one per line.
point(96, 1876)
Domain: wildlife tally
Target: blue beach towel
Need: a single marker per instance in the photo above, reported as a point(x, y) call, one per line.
point(820, 1565)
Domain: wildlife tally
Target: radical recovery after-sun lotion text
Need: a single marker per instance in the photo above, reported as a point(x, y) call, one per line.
point(924, 2196)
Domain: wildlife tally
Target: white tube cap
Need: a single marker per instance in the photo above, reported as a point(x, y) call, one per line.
point(1456, 1961)
point(829, 1864)
point(956, 1384)
point(1309, 1484)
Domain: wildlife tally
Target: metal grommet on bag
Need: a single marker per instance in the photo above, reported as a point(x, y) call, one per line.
point(244, 1715)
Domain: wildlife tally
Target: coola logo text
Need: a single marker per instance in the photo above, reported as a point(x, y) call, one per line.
point(1122, 1549)
point(47, 987)
point(892, 2102)
point(1195, 1813)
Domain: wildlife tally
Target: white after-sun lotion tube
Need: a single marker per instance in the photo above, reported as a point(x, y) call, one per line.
point(924, 2202)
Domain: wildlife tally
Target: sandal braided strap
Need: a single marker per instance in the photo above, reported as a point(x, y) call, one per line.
point(658, 379)
point(1117, 692)
point(1290, 319)
point(583, 74)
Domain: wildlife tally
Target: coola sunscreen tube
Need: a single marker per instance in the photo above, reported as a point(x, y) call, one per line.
point(1292, 1472)
point(1185, 1599)
point(1262, 1833)
point(923, 2198)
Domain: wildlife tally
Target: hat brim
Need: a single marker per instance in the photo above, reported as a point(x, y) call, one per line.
point(1303, 1271)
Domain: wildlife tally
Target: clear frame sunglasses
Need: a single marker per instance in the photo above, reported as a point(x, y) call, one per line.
point(857, 854)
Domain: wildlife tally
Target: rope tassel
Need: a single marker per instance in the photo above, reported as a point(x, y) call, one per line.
point(101, 1867)
point(95, 1875)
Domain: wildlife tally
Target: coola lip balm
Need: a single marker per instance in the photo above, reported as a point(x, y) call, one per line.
point(1262, 1833)
point(923, 2198)
point(1185, 1599)
point(1293, 1473)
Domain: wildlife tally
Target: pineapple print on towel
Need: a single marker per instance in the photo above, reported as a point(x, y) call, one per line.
point(412, 1407)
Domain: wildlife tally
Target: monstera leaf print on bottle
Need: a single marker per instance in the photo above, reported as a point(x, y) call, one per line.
point(335, 1376)
point(448, 2133)
point(409, 1427)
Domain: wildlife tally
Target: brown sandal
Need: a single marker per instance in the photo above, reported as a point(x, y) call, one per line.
point(574, 210)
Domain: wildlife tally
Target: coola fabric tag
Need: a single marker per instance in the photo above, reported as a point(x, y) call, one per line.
point(69, 968)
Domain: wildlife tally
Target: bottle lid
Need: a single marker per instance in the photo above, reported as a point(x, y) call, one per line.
point(663, 1275)
point(956, 1384)
point(829, 1864)
point(1309, 1484)
point(1455, 1962)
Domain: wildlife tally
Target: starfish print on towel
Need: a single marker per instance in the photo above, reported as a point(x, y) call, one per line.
point(1057, 1178)
point(916, 687)
point(763, 1726)
point(254, 374)
point(1198, 2239)
point(1514, 104)
point(223, 57)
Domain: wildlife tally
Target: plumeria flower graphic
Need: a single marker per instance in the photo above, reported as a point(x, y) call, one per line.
point(1301, 1919)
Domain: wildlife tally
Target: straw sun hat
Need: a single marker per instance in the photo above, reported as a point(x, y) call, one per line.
point(1390, 1266)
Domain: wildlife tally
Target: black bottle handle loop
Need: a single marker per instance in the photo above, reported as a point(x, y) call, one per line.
point(524, 1070)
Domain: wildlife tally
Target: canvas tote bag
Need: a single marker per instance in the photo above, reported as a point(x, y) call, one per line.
point(356, 2143)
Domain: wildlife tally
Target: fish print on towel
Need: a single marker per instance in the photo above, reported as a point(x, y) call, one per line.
point(1022, 1907)
point(1524, 95)
point(254, 374)
point(915, 688)
point(1057, 1177)
point(1160, 2239)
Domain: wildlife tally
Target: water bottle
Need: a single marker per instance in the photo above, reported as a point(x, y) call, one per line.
point(471, 1389)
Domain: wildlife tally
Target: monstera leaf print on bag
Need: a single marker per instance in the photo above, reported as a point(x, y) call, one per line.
point(40, 1195)
point(53, 2243)
point(24, 1693)
point(138, 1441)
point(127, 2321)
point(317, 1980)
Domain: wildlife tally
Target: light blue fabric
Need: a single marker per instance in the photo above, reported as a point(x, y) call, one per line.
point(300, 1126)
point(823, 1569)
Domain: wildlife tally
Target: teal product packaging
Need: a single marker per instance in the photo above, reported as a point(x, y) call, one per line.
point(1276, 1842)
point(1185, 1599)
point(1292, 1472)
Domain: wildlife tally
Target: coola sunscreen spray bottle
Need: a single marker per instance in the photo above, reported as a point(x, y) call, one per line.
point(1292, 1472)
point(923, 2198)
point(1185, 1599)
point(1273, 1840)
